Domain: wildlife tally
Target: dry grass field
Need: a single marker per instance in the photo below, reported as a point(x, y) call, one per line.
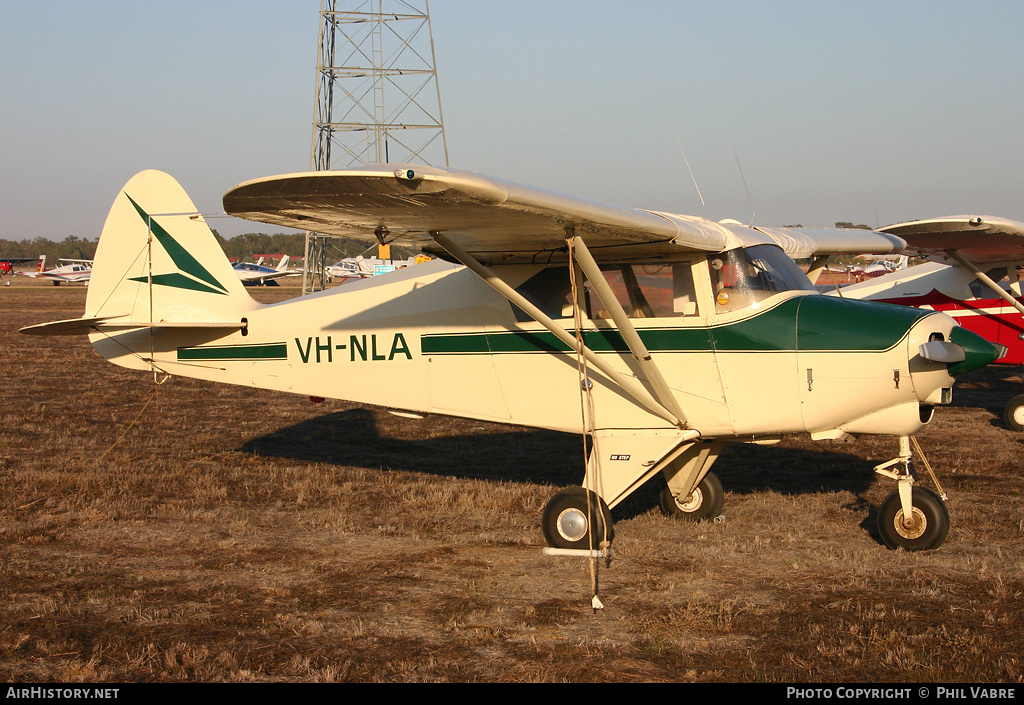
point(207, 533)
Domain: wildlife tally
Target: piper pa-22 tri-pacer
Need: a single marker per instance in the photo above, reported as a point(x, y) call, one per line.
point(663, 337)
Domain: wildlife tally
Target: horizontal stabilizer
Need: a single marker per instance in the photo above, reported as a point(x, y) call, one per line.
point(84, 326)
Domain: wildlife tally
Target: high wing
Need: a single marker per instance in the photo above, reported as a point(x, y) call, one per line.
point(980, 239)
point(500, 221)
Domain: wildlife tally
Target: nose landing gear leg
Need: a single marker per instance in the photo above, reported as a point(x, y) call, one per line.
point(912, 518)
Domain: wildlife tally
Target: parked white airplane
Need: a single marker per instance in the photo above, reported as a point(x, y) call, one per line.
point(878, 267)
point(361, 267)
point(664, 337)
point(74, 271)
point(259, 275)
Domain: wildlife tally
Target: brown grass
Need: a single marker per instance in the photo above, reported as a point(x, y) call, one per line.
point(240, 535)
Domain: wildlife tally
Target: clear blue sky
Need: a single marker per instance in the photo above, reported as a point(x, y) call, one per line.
point(864, 111)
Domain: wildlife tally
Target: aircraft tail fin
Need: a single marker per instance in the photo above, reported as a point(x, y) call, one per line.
point(158, 261)
point(41, 267)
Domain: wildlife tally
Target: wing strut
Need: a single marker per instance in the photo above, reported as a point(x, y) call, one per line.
point(986, 280)
point(635, 390)
point(817, 266)
point(662, 392)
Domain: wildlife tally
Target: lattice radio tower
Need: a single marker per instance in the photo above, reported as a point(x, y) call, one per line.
point(377, 95)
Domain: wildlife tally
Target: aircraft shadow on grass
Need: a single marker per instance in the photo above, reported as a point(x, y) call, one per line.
point(522, 455)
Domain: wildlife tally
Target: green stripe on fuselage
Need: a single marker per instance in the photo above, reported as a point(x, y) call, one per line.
point(266, 351)
point(813, 323)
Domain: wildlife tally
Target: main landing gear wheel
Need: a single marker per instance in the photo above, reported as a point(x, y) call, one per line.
point(924, 530)
point(1014, 414)
point(577, 518)
point(705, 502)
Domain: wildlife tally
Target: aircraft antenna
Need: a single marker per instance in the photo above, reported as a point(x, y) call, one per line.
point(749, 199)
point(377, 97)
point(702, 204)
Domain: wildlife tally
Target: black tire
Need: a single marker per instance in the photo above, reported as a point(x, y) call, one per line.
point(705, 502)
point(1014, 413)
point(930, 527)
point(576, 518)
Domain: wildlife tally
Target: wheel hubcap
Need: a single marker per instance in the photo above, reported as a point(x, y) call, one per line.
point(692, 502)
point(572, 524)
point(1018, 415)
point(912, 528)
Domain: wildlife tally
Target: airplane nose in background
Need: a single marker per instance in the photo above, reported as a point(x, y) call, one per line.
point(978, 352)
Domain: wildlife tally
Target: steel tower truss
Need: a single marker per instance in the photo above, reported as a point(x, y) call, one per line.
point(377, 95)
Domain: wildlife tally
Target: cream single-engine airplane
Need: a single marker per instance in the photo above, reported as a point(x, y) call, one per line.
point(663, 337)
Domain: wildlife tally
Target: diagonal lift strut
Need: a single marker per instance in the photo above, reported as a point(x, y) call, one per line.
point(652, 402)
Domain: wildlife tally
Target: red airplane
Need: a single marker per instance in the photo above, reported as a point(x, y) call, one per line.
point(7, 263)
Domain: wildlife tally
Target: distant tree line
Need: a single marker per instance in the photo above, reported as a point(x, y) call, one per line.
point(248, 246)
point(71, 247)
point(241, 247)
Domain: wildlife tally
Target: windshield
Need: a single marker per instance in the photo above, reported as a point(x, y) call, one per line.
point(745, 276)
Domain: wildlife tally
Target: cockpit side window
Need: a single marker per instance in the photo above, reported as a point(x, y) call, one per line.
point(743, 277)
point(643, 290)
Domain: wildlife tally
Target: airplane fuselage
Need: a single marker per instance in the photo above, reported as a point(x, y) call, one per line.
point(435, 338)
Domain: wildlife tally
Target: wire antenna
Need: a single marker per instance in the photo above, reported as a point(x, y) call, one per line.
point(702, 204)
point(749, 199)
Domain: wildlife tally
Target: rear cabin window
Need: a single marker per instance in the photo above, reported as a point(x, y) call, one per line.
point(643, 291)
point(1000, 275)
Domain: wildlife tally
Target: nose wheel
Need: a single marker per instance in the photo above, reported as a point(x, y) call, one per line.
point(1014, 413)
point(912, 518)
point(925, 527)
